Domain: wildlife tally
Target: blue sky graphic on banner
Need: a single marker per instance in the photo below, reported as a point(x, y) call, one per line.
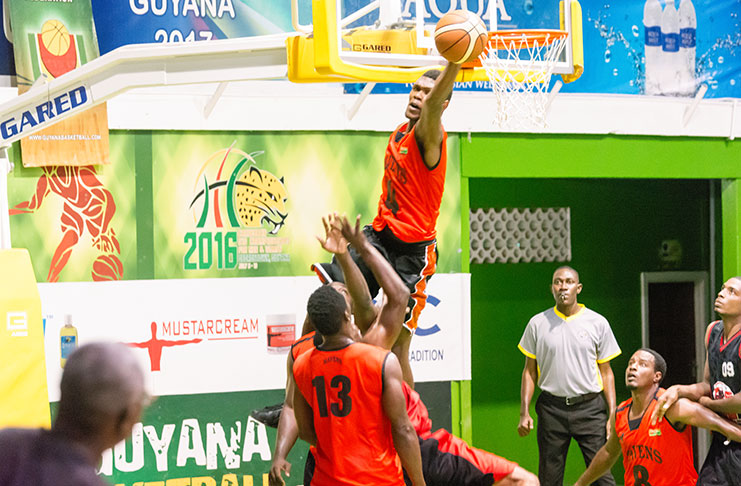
point(614, 33)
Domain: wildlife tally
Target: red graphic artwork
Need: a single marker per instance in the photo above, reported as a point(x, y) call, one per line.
point(154, 346)
point(87, 205)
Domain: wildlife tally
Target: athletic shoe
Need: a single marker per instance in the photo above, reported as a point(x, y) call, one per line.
point(269, 416)
point(327, 272)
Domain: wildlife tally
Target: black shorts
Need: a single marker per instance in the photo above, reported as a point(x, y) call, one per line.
point(442, 468)
point(722, 466)
point(414, 262)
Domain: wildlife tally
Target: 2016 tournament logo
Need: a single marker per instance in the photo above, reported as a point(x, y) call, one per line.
point(238, 210)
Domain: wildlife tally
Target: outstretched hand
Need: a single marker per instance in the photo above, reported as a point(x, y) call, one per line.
point(666, 400)
point(353, 234)
point(333, 240)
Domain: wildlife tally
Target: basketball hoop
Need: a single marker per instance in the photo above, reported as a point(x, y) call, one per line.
point(519, 64)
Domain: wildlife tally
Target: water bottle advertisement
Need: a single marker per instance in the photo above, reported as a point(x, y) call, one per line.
point(653, 47)
point(661, 47)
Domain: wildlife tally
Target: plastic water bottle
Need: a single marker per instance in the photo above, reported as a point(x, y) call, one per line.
point(687, 37)
point(652, 44)
point(670, 61)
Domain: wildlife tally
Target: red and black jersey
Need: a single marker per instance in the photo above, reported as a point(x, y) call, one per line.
point(659, 455)
point(724, 361)
point(411, 192)
point(344, 388)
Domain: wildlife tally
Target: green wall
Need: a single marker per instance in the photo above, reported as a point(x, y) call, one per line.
point(616, 228)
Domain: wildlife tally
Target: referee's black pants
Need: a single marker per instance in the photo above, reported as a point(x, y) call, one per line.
point(558, 423)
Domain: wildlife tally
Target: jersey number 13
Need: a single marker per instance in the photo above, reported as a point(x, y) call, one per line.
point(338, 409)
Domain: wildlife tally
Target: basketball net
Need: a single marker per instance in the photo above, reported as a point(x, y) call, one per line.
point(519, 65)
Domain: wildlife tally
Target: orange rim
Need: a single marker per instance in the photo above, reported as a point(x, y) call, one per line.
point(501, 39)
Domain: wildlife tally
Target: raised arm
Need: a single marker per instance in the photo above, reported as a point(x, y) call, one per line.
point(402, 431)
point(363, 309)
point(608, 384)
point(287, 432)
point(384, 332)
point(693, 413)
point(429, 131)
point(603, 460)
point(527, 388)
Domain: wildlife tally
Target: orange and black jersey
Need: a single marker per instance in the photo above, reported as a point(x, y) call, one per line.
point(304, 343)
point(659, 455)
point(411, 192)
point(344, 388)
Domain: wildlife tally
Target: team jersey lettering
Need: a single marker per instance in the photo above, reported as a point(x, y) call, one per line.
point(643, 452)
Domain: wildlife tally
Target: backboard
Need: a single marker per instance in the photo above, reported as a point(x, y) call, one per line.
point(395, 37)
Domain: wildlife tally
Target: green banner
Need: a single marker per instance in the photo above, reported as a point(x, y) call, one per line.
point(78, 223)
point(237, 204)
point(51, 37)
point(200, 440)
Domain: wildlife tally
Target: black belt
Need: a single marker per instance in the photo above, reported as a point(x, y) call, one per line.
point(571, 400)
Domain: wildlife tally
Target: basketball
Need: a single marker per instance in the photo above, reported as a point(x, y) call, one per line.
point(460, 36)
point(55, 37)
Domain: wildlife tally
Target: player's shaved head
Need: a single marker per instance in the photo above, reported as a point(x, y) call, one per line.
point(101, 383)
point(326, 309)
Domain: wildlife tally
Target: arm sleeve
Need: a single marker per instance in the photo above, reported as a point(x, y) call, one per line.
point(528, 341)
point(608, 347)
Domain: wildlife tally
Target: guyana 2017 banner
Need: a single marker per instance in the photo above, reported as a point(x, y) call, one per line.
point(51, 38)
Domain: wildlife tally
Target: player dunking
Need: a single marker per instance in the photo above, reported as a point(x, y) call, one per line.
point(404, 229)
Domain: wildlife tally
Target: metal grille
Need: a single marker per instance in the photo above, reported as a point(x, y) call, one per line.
point(520, 235)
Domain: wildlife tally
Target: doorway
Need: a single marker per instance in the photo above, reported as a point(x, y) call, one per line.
point(674, 315)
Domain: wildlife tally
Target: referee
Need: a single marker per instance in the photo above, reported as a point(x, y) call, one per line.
point(567, 352)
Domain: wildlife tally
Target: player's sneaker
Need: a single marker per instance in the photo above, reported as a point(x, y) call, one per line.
point(269, 416)
point(327, 272)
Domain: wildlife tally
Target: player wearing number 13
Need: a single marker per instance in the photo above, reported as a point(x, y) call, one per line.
point(351, 405)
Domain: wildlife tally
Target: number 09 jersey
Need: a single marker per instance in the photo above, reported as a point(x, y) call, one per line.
point(659, 455)
point(344, 388)
point(724, 363)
